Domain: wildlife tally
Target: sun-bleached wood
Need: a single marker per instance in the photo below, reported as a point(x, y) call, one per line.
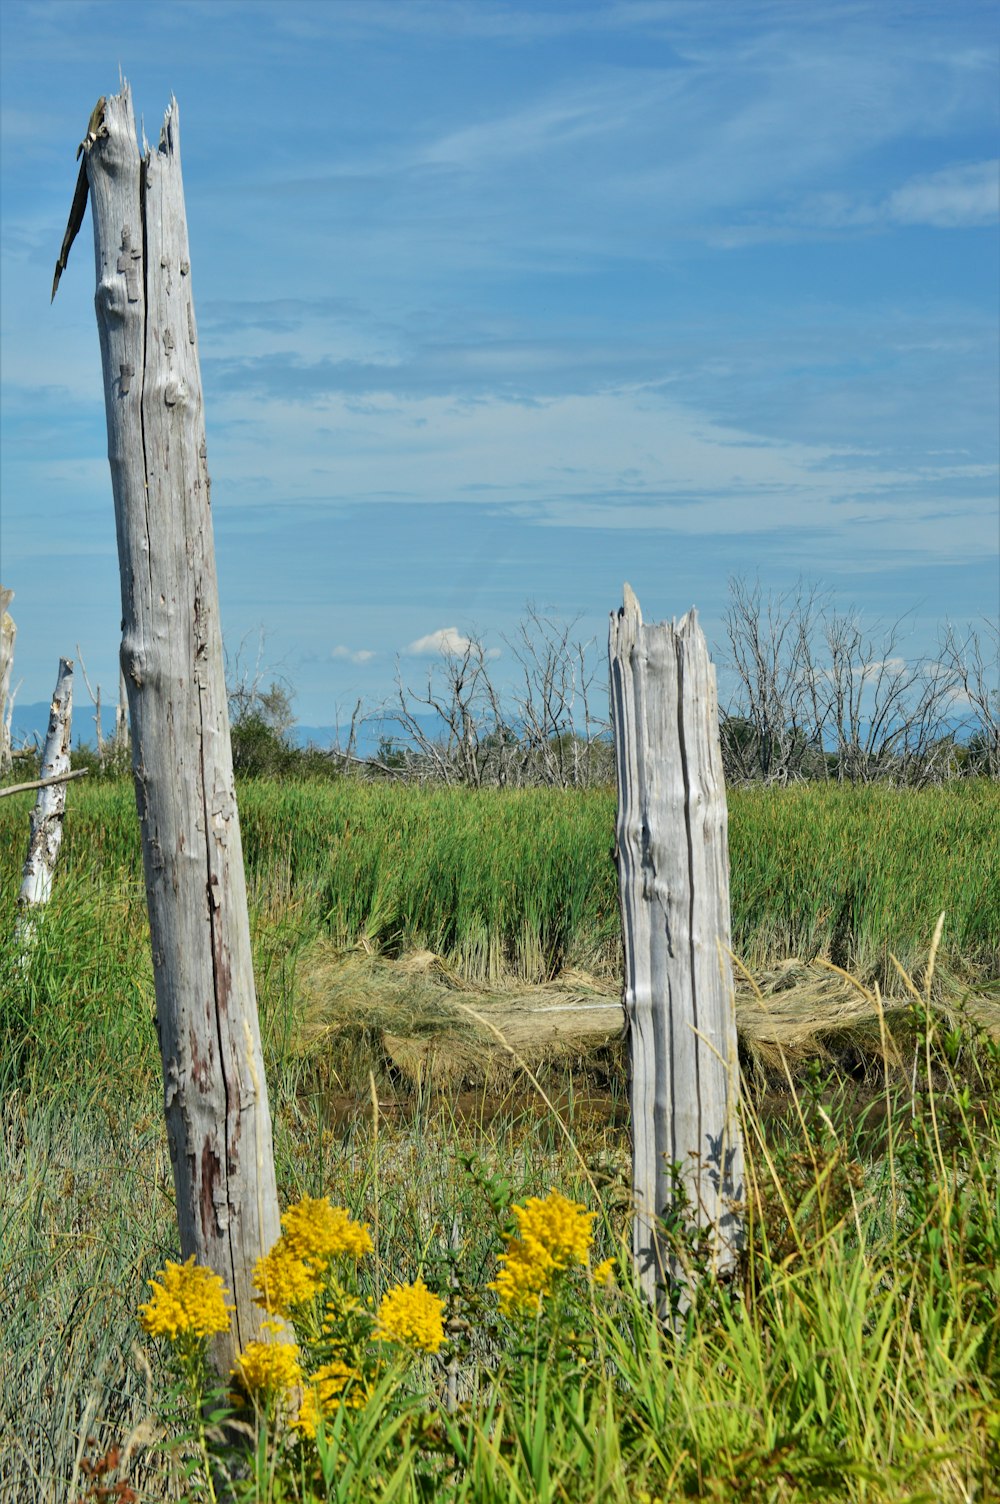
point(8, 632)
point(673, 880)
point(215, 1094)
point(121, 715)
point(41, 783)
point(50, 806)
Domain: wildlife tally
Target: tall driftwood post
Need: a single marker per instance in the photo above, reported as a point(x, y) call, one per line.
point(8, 632)
point(218, 1119)
point(673, 876)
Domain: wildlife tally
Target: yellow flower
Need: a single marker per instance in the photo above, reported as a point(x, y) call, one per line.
point(603, 1273)
point(298, 1265)
point(284, 1280)
point(524, 1277)
point(561, 1227)
point(331, 1386)
point(553, 1234)
point(319, 1232)
point(268, 1367)
point(412, 1316)
point(340, 1303)
point(190, 1302)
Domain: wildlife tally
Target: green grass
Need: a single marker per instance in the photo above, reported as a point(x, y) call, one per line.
point(522, 882)
point(518, 883)
point(857, 1357)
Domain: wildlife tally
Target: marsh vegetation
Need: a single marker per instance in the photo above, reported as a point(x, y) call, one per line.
point(857, 1355)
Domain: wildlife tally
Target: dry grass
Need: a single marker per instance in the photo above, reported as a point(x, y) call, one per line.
point(410, 1018)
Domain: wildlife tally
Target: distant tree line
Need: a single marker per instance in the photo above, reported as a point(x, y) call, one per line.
point(807, 692)
point(816, 695)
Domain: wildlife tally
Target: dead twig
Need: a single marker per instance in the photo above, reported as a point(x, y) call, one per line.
point(43, 783)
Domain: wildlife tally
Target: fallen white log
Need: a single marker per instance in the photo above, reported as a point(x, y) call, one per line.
point(47, 815)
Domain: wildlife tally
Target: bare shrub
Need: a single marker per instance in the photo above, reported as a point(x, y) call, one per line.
point(540, 727)
point(819, 695)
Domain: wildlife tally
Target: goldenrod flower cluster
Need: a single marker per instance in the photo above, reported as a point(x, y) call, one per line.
point(188, 1300)
point(319, 1232)
point(552, 1235)
point(340, 1306)
point(268, 1367)
point(332, 1385)
point(284, 1280)
point(604, 1272)
point(412, 1316)
point(297, 1267)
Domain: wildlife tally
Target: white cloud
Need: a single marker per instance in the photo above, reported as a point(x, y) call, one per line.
point(880, 666)
point(955, 198)
point(444, 640)
point(360, 655)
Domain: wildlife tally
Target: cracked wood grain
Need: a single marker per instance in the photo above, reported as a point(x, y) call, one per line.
point(673, 877)
point(215, 1090)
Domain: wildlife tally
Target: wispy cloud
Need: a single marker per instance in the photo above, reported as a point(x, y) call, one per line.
point(958, 197)
point(525, 370)
point(353, 655)
point(543, 292)
point(514, 22)
point(955, 198)
point(769, 133)
point(554, 124)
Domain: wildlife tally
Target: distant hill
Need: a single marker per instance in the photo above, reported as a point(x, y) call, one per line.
point(29, 723)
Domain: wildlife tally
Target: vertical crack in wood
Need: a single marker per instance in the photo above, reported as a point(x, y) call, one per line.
point(143, 169)
point(171, 652)
point(673, 871)
point(696, 901)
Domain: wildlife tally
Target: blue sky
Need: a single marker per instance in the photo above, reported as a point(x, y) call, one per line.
point(504, 301)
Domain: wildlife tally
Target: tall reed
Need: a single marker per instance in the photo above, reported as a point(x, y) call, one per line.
point(523, 882)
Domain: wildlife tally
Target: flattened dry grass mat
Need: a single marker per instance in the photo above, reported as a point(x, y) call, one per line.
point(419, 1019)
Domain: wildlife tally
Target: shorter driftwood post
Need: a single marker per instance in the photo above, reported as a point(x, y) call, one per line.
point(50, 805)
point(8, 632)
point(673, 877)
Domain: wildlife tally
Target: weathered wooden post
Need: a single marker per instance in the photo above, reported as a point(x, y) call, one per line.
point(50, 805)
point(218, 1119)
point(8, 632)
point(673, 879)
